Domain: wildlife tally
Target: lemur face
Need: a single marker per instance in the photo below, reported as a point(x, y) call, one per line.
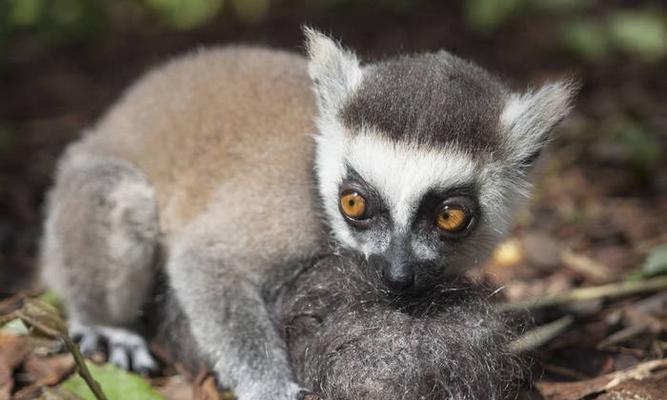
point(422, 160)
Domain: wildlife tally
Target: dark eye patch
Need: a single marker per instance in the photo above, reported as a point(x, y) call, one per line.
point(376, 206)
point(431, 201)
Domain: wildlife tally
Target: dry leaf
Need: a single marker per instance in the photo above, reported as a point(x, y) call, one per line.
point(647, 389)
point(205, 388)
point(586, 266)
point(13, 350)
point(57, 394)
point(44, 371)
point(176, 388)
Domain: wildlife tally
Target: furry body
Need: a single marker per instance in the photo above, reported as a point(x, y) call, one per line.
point(193, 161)
point(348, 338)
point(206, 168)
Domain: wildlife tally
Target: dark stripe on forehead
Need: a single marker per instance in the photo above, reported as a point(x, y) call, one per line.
point(431, 99)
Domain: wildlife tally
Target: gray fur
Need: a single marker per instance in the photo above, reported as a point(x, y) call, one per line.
point(347, 338)
point(350, 339)
point(432, 99)
point(528, 119)
point(235, 333)
point(101, 212)
point(335, 71)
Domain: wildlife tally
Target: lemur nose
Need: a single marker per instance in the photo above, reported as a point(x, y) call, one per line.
point(398, 278)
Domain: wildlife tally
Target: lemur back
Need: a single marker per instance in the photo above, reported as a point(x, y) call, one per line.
point(237, 120)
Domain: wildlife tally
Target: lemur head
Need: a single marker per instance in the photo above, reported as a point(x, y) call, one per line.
point(422, 160)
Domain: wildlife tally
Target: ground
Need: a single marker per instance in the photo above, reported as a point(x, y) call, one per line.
point(597, 217)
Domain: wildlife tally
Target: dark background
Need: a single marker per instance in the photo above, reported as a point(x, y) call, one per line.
point(601, 193)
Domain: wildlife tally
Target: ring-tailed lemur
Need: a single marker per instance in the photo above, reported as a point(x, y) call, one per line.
point(418, 163)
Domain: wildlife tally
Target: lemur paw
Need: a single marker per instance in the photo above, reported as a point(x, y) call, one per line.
point(124, 348)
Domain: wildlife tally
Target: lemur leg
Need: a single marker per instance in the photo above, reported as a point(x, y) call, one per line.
point(231, 325)
point(98, 254)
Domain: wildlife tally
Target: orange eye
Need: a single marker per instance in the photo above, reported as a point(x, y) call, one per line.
point(353, 205)
point(452, 219)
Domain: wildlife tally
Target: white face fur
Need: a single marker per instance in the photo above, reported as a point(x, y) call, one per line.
point(404, 177)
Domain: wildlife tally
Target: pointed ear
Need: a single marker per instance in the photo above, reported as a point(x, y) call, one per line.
point(335, 71)
point(528, 118)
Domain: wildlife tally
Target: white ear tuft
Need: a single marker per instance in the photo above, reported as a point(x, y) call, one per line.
point(528, 118)
point(334, 70)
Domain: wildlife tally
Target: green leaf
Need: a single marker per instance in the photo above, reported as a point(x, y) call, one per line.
point(25, 12)
point(640, 32)
point(656, 262)
point(487, 15)
point(586, 38)
point(57, 394)
point(50, 298)
point(116, 383)
point(186, 14)
point(15, 327)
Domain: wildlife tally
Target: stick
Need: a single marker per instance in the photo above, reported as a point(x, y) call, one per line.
point(82, 368)
point(46, 319)
point(540, 335)
point(610, 291)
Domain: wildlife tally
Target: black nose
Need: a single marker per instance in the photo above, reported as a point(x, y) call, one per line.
point(399, 278)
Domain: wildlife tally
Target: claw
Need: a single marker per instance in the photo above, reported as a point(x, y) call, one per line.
point(143, 362)
point(119, 357)
point(88, 339)
point(126, 349)
point(90, 344)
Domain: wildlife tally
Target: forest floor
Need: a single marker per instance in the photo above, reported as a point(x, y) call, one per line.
point(597, 217)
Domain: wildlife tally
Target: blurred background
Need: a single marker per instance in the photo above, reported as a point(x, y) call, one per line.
point(600, 210)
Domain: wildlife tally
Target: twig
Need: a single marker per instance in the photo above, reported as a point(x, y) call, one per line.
point(82, 368)
point(7, 318)
point(610, 291)
point(45, 318)
point(623, 335)
point(585, 266)
point(540, 335)
point(638, 372)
